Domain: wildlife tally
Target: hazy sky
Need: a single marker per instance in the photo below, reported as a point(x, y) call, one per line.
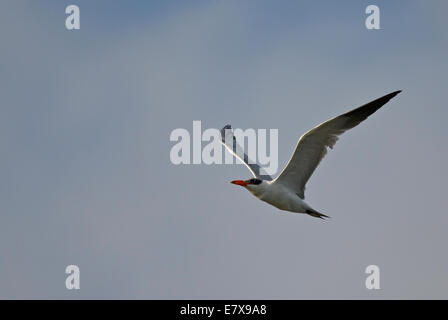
point(85, 173)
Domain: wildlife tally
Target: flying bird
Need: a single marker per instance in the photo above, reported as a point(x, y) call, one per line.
point(287, 191)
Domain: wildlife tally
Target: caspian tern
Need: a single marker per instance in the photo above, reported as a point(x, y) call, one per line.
point(287, 191)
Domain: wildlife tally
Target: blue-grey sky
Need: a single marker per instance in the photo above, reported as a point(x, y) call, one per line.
point(86, 177)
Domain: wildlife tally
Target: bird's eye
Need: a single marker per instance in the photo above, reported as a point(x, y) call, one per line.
point(255, 181)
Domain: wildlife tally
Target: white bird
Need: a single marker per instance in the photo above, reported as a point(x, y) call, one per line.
point(287, 191)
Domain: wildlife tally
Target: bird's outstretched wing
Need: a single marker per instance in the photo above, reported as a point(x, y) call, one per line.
point(312, 146)
point(229, 141)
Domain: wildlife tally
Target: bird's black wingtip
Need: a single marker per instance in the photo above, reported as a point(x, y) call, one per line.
point(389, 96)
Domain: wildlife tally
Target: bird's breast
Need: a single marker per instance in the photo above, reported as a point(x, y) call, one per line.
point(283, 199)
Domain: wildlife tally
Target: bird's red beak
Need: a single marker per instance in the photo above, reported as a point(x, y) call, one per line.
point(239, 182)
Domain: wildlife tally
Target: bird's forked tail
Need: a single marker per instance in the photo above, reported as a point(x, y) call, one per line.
point(316, 214)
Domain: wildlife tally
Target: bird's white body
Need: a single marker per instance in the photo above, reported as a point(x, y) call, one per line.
point(287, 191)
point(279, 196)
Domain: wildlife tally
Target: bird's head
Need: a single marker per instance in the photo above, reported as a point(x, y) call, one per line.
point(250, 184)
